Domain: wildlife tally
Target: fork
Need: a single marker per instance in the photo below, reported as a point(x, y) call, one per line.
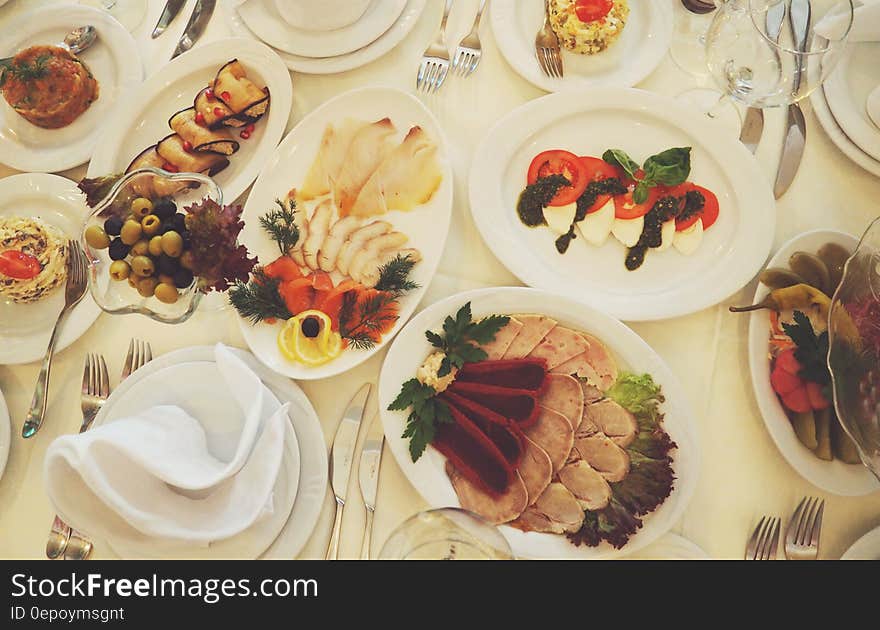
point(139, 354)
point(802, 535)
point(547, 47)
point(469, 52)
point(765, 540)
point(435, 61)
point(73, 292)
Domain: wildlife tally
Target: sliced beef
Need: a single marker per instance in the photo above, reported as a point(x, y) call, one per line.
point(495, 508)
point(519, 405)
point(564, 394)
point(553, 433)
point(505, 434)
point(525, 374)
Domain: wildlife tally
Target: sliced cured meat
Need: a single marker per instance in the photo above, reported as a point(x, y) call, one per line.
point(519, 405)
point(553, 433)
point(556, 511)
point(588, 486)
point(611, 461)
point(559, 345)
point(580, 366)
point(496, 348)
point(614, 421)
point(535, 327)
point(564, 394)
point(591, 392)
point(514, 373)
point(331, 155)
point(368, 149)
point(497, 508)
point(536, 469)
point(602, 362)
point(503, 433)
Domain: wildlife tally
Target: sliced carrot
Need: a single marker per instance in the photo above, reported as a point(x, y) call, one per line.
point(298, 295)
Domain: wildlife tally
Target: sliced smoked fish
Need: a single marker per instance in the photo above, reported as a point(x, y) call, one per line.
point(526, 374)
point(367, 150)
point(503, 433)
point(519, 405)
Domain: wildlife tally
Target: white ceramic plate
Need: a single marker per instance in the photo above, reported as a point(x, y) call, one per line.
point(838, 137)
point(115, 61)
point(671, 547)
point(342, 63)
point(426, 225)
point(5, 434)
point(428, 476)
point(847, 89)
point(25, 328)
point(262, 17)
point(142, 119)
point(865, 548)
point(668, 284)
point(306, 431)
point(835, 477)
point(638, 51)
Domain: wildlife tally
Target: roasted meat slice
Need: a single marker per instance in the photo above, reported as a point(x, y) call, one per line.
point(498, 508)
point(564, 394)
point(513, 373)
point(536, 469)
point(519, 405)
point(600, 452)
point(613, 420)
point(535, 328)
point(503, 433)
point(558, 346)
point(553, 433)
point(588, 486)
point(556, 511)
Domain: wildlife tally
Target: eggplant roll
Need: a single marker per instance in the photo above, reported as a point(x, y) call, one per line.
point(200, 137)
point(239, 93)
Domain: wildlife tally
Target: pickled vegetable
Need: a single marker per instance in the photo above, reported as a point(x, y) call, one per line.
point(131, 232)
point(842, 445)
point(120, 270)
point(141, 248)
point(147, 287)
point(143, 266)
point(172, 244)
point(823, 434)
point(799, 296)
point(96, 237)
point(811, 268)
point(151, 224)
point(834, 256)
point(166, 293)
point(141, 207)
point(155, 247)
point(804, 425)
point(779, 278)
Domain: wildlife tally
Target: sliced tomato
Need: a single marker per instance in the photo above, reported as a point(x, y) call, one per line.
point(710, 210)
point(592, 10)
point(597, 170)
point(625, 206)
point(559, 162)
point(18, 265)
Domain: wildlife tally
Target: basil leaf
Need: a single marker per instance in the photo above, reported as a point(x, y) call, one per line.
point(670, 168)
point(640, 194)
point(617, 157)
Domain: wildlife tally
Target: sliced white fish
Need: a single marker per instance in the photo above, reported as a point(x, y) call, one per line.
point(371, 250)
point(370, 276)
point(356, 241)
point(319, 226)
point(367, 151)
point(331, 155)
point(339, 233)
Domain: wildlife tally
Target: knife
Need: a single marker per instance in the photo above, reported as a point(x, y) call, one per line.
point(752, 129)
point(340, 460)
point(172, 8)
point(368, 476)
point(198, 21)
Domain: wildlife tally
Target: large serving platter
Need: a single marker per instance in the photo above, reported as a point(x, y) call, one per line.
point(865, 548)
point(142, 119)
point(426, 225)
point(835, 476)
point(588, 122)
point(846, 90)
point(428, 476)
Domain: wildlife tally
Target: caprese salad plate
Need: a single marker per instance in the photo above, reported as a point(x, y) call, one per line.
point(628, 200)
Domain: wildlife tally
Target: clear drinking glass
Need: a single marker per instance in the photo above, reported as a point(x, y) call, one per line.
point(688, 47)
point(129, 13)
point(446, 534)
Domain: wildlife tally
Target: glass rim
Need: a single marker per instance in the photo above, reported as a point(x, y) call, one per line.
point(753, 12)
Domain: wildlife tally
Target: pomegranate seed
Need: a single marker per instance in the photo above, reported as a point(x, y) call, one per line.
point(225, 96)
point(200, 118)
point(250, 128)
point(245, 135)
point(209, 94)
point(187, 146)
point(218, 112)
point(170, 167)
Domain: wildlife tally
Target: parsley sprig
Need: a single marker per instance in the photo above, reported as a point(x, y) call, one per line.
point(812, 349)
point(427, 412)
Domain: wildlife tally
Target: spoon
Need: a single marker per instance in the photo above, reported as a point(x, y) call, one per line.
point(76, 41)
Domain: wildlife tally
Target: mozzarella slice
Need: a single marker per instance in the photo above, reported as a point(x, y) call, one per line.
point(596, 226)
point(667, 235)
point(560, 218)
point(628, 231)
point(687, 241)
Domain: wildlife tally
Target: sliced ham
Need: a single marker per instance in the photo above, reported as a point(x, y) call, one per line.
point(535, 328)
point(368, 149)
point(594, 364)
point(613, 420)
point(553, 433)
point(528, 374)
point(600, 452)
point(591, 392)
point(496, 509)
point(496, 348)
point(558, 346)
point(588, 486)
point(556, 511)
point(536, 469)
point(564, 394)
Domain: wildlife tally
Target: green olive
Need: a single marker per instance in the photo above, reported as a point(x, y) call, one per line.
point(119, 270)
point(155, 247)
point(811, 268)
point(172, 244)
point(151, 224)
point(164, 278)
point(141, 207)
point(166, 293)
point(187, 260)
point(834, 256)
point(131, 232)
point(133, 281)
point(147, 286)
point(141, 248)
point(143, 266)
point(96, 237)
point(779, 278)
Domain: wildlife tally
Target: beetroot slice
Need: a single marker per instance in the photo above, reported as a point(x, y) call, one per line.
point(473, 454)
point(503, 433)
point(519, 405)
point(526, 374)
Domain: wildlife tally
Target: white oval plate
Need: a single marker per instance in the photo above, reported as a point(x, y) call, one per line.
point(25, 328)
point(115, 61)
point(668, 284)
point(5, 434)
point(865, 548)
point(847, 90)
point(426, 225)
point(262, 17)
point(142, 118)
point(428, 476)
point(835, 476)
point(636, 54)
point(332, 65)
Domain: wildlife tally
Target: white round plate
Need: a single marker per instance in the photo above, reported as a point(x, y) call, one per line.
point(5, 434)
point(426, 225)
point(428, 476)
point(342, 63)
point(835, 476)
point(262, 17)
point(142, 118)
point(847, 89)
point(306, 431)
point(670, 547)
point(636, 54)
point(25, 328)
point(838, 137)
point(668, 284)
point(865, 548)
point(114, 60)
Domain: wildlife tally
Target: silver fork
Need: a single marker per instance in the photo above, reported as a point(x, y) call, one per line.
point(139, 353)
point(802, 535)
point(547, 47)
point(765, 540)
point(435, 61)
point(469, 52)
point(73, 293)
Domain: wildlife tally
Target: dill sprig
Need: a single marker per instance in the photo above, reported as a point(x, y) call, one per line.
point(25, 71)
point(281, 225)
point(362, 319)
point(394, 276)
point(258, 299)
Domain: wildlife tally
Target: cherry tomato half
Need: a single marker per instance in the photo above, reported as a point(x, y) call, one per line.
point(558, 162)
point(592, 10)
point(18, 265)
point(597, 170)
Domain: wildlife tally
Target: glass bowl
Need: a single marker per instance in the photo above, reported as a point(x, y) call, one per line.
point(119, 297)
point(446, 534)
point(854, 348)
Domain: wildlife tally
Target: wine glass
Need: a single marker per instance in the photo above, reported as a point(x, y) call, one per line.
point(446, 534)
point(688, 47)
point(129, 13)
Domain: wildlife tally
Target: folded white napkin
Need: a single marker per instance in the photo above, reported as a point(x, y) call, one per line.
point(865, 24)
point(154, 471)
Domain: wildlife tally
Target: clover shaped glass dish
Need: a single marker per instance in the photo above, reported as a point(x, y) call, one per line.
point(130, 269)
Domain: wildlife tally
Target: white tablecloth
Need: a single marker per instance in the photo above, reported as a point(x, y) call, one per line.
point(743, 475)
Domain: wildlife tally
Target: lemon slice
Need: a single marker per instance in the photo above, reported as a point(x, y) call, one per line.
point(295, 346)
point(287, 337)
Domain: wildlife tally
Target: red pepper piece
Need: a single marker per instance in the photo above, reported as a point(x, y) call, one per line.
point(519, 405)
point(527, 374)
point(187, 146)
point(503, 433)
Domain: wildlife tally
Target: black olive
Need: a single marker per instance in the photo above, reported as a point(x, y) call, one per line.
point(187, 239)
point(118, 249)
point(168, 265)
point(179, 222)
point(113, 226)
point(164, 209)
point(311, 327)
point(183, 278)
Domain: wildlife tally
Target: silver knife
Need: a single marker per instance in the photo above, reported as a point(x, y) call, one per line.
point(197, 24)
point(752, 129)
point(368, 477)
point(340, 460)
point(172, 8)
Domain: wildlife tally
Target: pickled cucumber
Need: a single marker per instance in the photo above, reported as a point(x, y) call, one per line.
point(811, 268)
point(779, 278)
point(804, 425)
point(842, 445)
point(823, 434)
point(834, 256)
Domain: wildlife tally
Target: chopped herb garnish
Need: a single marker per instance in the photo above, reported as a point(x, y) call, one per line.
point(394, 276)
point(258, 299)
point(459, 332)
point(363, 319)
point(281, 225)
point(811, 351)
point(427, 412)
